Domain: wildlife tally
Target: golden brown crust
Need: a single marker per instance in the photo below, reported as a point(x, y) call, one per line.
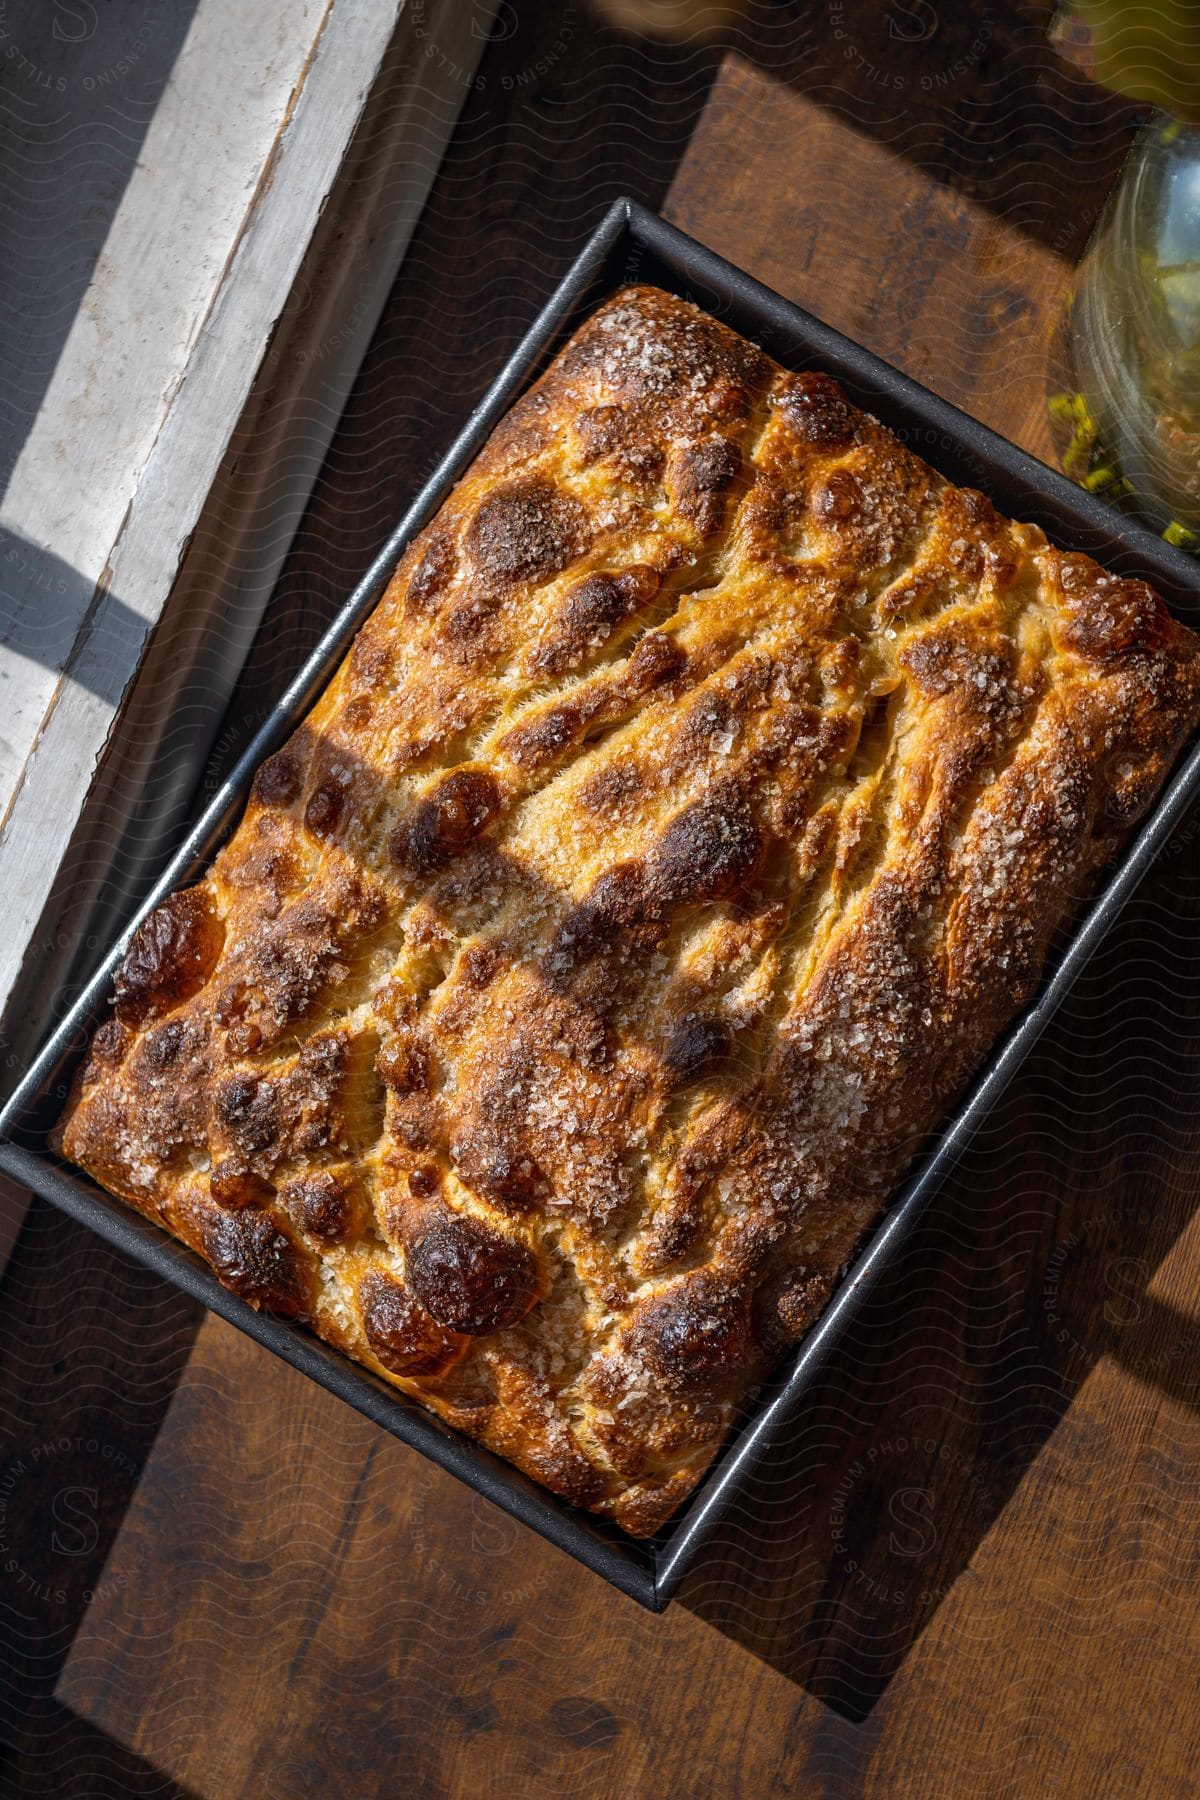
point(681, 829)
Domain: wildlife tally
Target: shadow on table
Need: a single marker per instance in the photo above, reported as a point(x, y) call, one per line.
point(55, 1740)
point(1030, 1268)
point(91, 1350)
point(972, 94)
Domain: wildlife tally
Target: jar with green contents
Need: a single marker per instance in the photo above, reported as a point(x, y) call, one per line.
point(1134, 421)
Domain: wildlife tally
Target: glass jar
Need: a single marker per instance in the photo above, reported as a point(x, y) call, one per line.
point(1131, 428)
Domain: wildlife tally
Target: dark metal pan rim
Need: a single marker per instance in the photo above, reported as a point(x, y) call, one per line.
point(631, 244)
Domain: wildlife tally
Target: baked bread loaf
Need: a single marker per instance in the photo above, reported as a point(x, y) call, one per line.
point(683, 826)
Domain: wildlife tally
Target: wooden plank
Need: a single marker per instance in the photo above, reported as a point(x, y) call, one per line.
point(970, 300)
point(273, 1530)
point(468, 1657)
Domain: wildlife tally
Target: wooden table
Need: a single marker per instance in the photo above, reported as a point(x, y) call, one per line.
point(975, 1569)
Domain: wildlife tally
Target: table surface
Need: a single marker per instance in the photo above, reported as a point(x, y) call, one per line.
point(975, 1568)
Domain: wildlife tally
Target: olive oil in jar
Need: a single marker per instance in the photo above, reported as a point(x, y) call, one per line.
point(1134, 338)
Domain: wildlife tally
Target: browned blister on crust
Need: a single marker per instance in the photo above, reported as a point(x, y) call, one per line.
point(689, 817)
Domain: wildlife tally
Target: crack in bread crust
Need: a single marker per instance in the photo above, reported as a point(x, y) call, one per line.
point(680, 831)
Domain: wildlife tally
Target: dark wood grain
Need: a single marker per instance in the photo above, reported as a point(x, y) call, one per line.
point(974, 1567)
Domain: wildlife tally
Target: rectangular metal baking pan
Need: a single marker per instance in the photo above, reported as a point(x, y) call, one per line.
point(633, 245)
